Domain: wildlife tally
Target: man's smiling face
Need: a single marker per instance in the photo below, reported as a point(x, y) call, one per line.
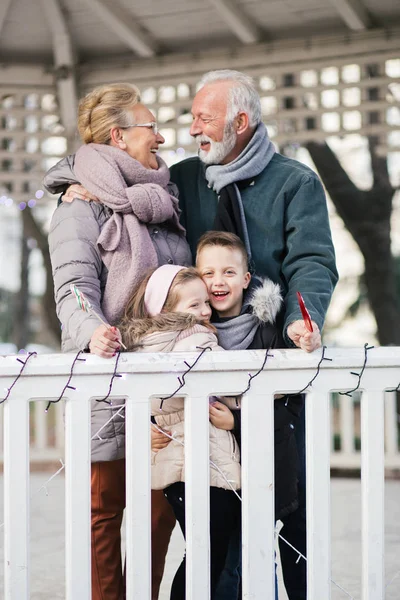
point(216, 138)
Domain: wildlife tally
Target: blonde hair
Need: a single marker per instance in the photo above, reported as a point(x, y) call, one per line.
point(104, 107)
point(224, 239)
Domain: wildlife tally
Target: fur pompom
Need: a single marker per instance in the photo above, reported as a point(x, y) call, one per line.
point(266, 301)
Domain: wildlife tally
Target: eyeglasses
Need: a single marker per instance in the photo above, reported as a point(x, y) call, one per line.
point(153, 125)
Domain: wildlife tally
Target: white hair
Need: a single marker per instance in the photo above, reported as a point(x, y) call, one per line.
point(243, 95)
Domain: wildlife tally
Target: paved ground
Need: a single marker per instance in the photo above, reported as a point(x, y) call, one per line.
point(47, 541)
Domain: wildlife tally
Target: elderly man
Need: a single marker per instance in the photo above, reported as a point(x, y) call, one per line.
point(277, 206)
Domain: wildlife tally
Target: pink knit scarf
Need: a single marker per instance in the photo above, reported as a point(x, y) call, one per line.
point(137, 196)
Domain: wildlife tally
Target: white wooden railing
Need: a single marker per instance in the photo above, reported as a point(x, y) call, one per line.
point(144, 375)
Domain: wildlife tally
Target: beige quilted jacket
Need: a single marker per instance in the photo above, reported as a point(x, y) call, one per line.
point(168, 464)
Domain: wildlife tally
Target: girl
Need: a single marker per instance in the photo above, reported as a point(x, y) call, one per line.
point(170, 311)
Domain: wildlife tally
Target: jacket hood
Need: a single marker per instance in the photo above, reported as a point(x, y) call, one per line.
point(134, 330)
point(264, 299)
point(60, 176)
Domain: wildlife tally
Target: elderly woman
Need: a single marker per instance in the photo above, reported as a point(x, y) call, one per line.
point(105, 248)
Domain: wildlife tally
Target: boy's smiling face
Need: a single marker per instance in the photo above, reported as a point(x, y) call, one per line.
point(225, 275)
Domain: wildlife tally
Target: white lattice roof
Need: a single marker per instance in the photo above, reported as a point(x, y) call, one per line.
point(99, 29)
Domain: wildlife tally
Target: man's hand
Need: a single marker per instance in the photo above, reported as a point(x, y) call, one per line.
point(158, 439)
point(221, 416)
point(302, 338)
point(105, 341)
point(79, 192)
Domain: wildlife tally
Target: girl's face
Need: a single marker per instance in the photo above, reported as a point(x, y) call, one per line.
point(193, 299)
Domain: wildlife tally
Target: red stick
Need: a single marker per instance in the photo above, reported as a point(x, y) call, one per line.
point(304, 312)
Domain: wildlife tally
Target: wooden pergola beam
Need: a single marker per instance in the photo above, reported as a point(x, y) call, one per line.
point(122, 24)
point(4, 6)
point(244, 29)
point(64, 67)
point(353, 13)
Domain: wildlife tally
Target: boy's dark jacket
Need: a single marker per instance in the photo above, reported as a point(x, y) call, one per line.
point(257, 300)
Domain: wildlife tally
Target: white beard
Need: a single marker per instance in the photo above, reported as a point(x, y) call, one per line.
point(218, 150)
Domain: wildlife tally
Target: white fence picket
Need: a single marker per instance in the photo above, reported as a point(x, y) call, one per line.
point(16, 497)
point(258, 495)
point(318, 495)
point(138, 500)
point(197, 516)
point(372, 487)
point(77, 490)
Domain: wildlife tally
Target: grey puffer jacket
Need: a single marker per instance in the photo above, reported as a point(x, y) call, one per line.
point(75, 258)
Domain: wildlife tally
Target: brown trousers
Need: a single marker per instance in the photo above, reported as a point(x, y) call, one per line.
point(108, 503)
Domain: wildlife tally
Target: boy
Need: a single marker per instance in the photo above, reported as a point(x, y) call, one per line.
point(246, 316)
point(246, 313)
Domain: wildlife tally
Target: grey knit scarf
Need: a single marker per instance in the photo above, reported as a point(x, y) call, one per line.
point(237, 333)
point(250, 162)
point(137, 196)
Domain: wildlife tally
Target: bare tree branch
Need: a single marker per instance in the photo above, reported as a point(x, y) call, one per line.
point(34, 230)
point(366, 215)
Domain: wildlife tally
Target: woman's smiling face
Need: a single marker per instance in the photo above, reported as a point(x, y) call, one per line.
point(141, 143)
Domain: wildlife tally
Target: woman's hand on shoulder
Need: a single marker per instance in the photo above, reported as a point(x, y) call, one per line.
point(221, 416)
point(105, 341)
point(78, 192)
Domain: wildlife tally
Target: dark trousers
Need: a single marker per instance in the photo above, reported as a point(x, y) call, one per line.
point(294, 528)
point(108, 503)
point(224, 516)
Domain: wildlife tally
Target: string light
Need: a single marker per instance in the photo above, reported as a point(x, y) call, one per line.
point(18, 376)
point(359, 375)
point(31, 203)
point(251, 377)
point(113, 376)
point(323, 357)
point(182, 378)
point(396, 389)
point(67, 385)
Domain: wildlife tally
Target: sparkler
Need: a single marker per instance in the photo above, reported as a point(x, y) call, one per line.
point(85, 305)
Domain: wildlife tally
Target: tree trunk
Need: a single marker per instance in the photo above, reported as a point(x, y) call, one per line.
point(366, 215)
point(21, 313)
point(49, 307)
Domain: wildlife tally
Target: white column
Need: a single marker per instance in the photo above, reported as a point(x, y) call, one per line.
point(258, 495)
point(318, 496)
point(77, 490)
point(372, 490)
